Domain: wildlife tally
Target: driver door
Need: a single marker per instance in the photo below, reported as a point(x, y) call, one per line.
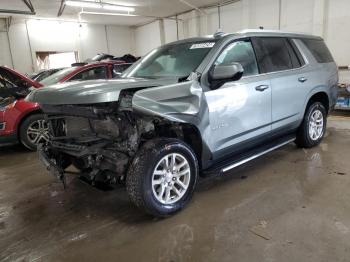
point(239, 111)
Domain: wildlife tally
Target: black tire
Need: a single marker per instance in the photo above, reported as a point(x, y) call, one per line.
point(23, 137)
point(303, 139)
point(139, 176)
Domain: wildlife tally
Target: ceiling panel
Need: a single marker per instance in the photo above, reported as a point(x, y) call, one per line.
point(144, 8)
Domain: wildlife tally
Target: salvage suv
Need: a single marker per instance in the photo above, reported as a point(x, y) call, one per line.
point(193, 107)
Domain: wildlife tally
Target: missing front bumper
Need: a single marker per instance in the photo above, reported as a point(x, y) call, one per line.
point(50, 164)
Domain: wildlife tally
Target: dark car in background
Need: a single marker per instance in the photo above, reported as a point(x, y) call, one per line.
point(127, 58)
point(42, 74)
point(22, 121)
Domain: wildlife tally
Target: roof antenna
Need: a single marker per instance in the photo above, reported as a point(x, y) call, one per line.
point(218, 33)
point(261, 27)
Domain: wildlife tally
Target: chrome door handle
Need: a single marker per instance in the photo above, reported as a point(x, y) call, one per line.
point(261, 88)
point(302, 79)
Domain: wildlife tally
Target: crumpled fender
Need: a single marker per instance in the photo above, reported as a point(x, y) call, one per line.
point(179, 102)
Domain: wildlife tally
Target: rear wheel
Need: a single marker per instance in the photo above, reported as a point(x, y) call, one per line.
point(313, 127)
point(33, 130)
point(162, 177)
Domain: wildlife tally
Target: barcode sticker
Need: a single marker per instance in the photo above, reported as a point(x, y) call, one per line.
point(203, 45)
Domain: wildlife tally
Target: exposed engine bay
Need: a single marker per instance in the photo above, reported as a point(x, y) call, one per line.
point(99, 139)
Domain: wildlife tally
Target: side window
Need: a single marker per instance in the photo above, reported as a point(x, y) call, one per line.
point(275, 54)
point(91, 74)
point(240, 52)
point(319, 50)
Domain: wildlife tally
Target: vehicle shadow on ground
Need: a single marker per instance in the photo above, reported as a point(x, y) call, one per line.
point(80, 199)
point(116, 204)
point(13, 149)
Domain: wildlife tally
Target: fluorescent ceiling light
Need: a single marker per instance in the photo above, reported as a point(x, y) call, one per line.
point(118, 8)
point(83, 4)
point(90, 4)
point(100, 13)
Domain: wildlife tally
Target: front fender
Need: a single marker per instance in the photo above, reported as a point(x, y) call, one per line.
point(179, 102)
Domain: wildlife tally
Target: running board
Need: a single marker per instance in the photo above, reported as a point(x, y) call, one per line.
point(234, 162)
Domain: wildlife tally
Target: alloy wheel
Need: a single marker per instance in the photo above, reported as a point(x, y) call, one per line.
point(171, 178)
point(316, 127)
point(38, 132)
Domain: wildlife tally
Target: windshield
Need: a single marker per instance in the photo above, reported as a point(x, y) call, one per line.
point(171, 61)
point(58, 76)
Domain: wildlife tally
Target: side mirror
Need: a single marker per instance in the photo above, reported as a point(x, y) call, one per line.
point(222, 73)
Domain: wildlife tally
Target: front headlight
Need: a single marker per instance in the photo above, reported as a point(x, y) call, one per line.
point(7, 103)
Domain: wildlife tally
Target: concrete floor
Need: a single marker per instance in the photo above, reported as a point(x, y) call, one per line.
point(291, 205)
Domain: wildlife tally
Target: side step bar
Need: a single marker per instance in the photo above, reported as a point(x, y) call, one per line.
point(224, 170)
point(234, 162)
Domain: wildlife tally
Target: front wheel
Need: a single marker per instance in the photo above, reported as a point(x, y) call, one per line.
point(313, 127)
point(162, 177)
point(33, 130)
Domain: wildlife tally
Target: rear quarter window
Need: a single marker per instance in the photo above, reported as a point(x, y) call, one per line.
point(319, 50)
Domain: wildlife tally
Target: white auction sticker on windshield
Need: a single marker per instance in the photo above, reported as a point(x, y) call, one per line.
point(203, 45)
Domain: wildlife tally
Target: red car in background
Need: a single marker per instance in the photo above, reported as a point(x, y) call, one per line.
point(21, 121)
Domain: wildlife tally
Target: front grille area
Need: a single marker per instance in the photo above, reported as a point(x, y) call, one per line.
point(2, 126)
point(69, 147)
point(58, 127)
point(70, 126)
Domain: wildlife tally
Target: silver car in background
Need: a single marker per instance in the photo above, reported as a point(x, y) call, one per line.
point(194, 107)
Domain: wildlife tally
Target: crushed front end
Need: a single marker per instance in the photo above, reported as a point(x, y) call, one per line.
point(98, 139)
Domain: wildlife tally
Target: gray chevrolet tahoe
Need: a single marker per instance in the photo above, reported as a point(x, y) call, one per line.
point(190, 108)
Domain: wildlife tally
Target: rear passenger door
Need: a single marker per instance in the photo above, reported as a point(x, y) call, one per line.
point(279, 58)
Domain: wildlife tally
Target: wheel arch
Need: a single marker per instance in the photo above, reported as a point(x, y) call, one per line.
point(24, 117)
point(318, 96)
point(186, 132)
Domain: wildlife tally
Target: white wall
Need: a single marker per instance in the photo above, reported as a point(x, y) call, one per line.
point(120, 40)
point(261, 13)
point(209, 23)
point(297, 15)
point(337, 30)
point(327, 18)
point(147, 37)
point(86, 40)
point(232, 17)
point(30, 36)
point(170, 30)
point(22, 59)
point(5, 56)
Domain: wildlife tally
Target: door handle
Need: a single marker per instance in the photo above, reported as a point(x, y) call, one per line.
point(302, 79)
point(261, 88)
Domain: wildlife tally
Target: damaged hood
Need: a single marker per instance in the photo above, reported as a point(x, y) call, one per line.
point(91, 92)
